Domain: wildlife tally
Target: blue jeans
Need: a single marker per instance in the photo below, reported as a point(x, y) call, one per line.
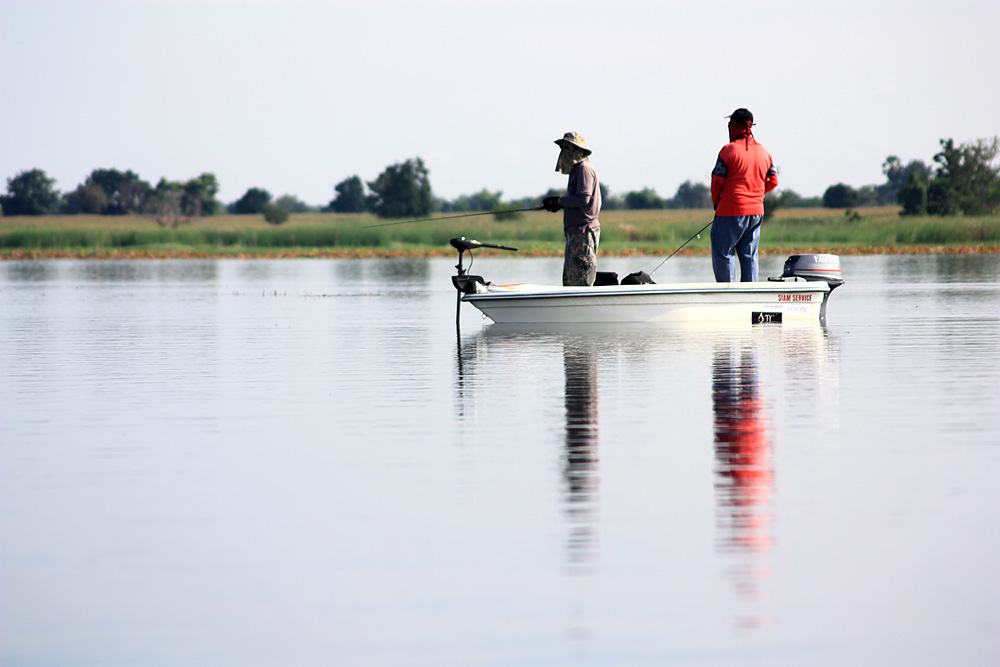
point(739, 233)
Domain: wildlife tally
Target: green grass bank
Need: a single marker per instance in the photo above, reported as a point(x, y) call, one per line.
point(860, 231)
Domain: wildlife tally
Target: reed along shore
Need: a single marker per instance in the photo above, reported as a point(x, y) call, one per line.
point(536, 233)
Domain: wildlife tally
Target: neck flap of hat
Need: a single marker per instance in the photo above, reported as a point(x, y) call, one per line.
point(569, 157)
point(739, 131)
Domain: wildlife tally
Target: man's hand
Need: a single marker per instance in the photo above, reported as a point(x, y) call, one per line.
point(551, 204)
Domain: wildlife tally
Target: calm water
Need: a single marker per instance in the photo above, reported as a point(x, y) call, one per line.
point(303, 462)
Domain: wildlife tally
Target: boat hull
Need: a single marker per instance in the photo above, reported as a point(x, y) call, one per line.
point(749, 303)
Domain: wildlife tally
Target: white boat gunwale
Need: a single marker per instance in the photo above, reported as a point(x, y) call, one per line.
point(529, 291)
point(800, 293)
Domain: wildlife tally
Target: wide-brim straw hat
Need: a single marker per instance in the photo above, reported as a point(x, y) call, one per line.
point(573, 139)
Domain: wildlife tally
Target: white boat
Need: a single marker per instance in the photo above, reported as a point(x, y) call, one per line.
point(800, 294)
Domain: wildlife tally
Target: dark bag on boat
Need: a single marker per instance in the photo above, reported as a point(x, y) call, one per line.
point(637, 278)
point(606, 278)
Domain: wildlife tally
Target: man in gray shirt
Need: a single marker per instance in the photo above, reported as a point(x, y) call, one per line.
point(581, 205)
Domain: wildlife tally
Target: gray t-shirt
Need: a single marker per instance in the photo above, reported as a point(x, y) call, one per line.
point(582, 201)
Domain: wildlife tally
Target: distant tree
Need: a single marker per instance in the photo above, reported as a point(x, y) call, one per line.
point(203, 190)
point(520, 202)
point(293, 204)
point(966, 178)
point(913, 196)
point(941, 198)
point(85, 199)
point(840, 195)
point(253, 201)
point(484, 200)
point(772, 202)
point(892, 168)
point(30, 193)
point(791, 199)
point(350, 196)
point(125, 191)
point(692, 195)
point(610, 201)
point(173, 203)
point(132, 196)
point(274, 214)
point(867, 195)
point(401, 191)
point(644, 199)
point(897, 176)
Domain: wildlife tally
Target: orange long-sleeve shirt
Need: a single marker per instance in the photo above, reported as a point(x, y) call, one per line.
point(743, 172)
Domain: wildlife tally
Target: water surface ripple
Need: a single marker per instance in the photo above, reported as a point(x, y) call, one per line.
point(304, 461)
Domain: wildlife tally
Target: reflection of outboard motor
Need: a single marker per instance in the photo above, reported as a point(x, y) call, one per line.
point(813, 267)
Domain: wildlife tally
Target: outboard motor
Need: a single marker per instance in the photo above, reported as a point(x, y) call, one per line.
point(813, 267)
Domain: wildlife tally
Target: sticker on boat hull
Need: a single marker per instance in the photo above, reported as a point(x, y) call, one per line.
point(765, 318)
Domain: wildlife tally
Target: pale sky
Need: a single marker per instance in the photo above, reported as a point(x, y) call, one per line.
point(294, 96)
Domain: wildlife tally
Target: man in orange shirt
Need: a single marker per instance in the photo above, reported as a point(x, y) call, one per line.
point(743, 172)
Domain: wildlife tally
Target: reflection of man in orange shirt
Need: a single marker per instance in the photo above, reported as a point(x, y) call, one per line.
point(742, 450)
point(743, 173)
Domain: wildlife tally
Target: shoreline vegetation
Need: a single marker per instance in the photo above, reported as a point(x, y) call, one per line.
point(870, 230)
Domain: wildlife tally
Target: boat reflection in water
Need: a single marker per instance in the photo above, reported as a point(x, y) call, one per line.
point(799, 364)
point(579, 454)
point(581, 445)
point(743, 472)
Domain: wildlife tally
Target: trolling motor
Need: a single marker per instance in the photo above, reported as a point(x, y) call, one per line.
point(464, 283)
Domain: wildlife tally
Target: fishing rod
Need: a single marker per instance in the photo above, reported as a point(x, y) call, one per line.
point(697, 235)
point(463, 215)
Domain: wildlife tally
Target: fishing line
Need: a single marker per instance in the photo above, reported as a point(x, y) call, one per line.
point(698, 235)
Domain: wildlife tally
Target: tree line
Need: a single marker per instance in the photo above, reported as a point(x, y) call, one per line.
point(404, 190)
point(964, 179)
point(113, 192)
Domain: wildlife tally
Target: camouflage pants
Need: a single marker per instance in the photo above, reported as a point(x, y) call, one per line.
point(580, 265)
